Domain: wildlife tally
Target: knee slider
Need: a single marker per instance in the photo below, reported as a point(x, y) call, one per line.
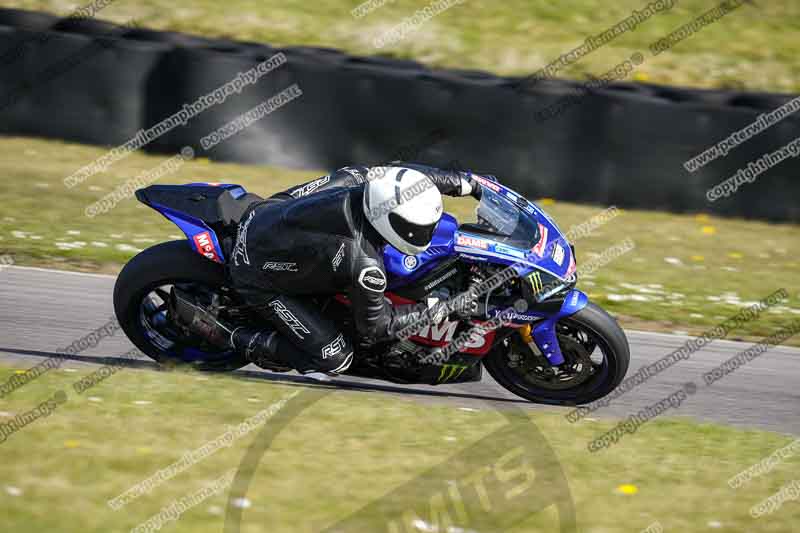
point(346, 361)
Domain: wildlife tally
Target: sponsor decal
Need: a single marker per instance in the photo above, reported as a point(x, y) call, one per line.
point(205, 246)
point(574, 300)
point(487, 183)
point(308, 188)
point(450, 371)
point(410, 262)
point(572, 268)
point(437, 281)
point(558, 255)
point(539, 248)
point(474, 242)
point(280, 267)
point(442, 334)
point(535, 279)
point(337, 259)
point(373, 279)
point(473, 257)
point(289, 319)
point(514, 315)
point(507, 250)
point(334, 348)
point(240, 250)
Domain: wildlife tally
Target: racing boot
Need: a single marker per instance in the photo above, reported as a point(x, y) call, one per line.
point(259, 347)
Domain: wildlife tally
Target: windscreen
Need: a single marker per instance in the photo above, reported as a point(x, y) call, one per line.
point(505, 219)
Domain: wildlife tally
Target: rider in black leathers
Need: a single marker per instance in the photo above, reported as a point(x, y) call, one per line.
point(320, 238)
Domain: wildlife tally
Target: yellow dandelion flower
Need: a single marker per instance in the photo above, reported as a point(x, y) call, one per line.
point(627, 489)
point(709, 230)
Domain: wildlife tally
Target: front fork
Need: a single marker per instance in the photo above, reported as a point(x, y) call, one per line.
point(544, 332)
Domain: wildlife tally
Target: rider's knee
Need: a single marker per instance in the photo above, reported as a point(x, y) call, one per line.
point(340, 365)
point(336, 356)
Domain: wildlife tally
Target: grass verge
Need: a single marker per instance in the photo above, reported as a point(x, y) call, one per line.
point(351, 449)
point(754, 47)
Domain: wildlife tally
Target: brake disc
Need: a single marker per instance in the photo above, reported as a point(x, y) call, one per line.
point(575, 370)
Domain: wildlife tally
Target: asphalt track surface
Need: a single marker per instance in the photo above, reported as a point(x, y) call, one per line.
point(44, 310)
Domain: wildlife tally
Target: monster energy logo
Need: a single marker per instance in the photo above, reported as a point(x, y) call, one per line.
point(535, 280)
point(450, 371)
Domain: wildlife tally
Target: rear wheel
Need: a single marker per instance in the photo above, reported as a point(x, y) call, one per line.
point(596, 355)
point(141, 297)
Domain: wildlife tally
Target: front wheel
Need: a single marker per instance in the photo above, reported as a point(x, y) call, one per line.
point(596, 354)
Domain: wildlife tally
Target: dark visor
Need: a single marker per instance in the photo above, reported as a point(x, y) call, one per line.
point(413, 233)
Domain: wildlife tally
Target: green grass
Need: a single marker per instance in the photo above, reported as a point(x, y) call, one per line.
point(38, 203)
point(345, 451)
point(754, 47)
point(717, 265)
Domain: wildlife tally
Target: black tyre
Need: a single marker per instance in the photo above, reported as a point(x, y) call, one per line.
point(597, 357)
point(140, 297)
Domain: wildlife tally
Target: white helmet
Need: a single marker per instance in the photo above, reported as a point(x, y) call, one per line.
point(404, 206)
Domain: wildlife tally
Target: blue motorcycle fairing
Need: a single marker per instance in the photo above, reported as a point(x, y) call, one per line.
point(403, 269)
point(202, 238)
point(544, 332)
point(523, 261)
point(237, 191)
point(196, 231)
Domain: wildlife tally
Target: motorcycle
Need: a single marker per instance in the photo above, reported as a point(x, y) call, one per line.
point(524, 321)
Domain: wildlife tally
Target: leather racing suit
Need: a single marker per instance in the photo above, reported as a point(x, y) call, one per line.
point(314, 240)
